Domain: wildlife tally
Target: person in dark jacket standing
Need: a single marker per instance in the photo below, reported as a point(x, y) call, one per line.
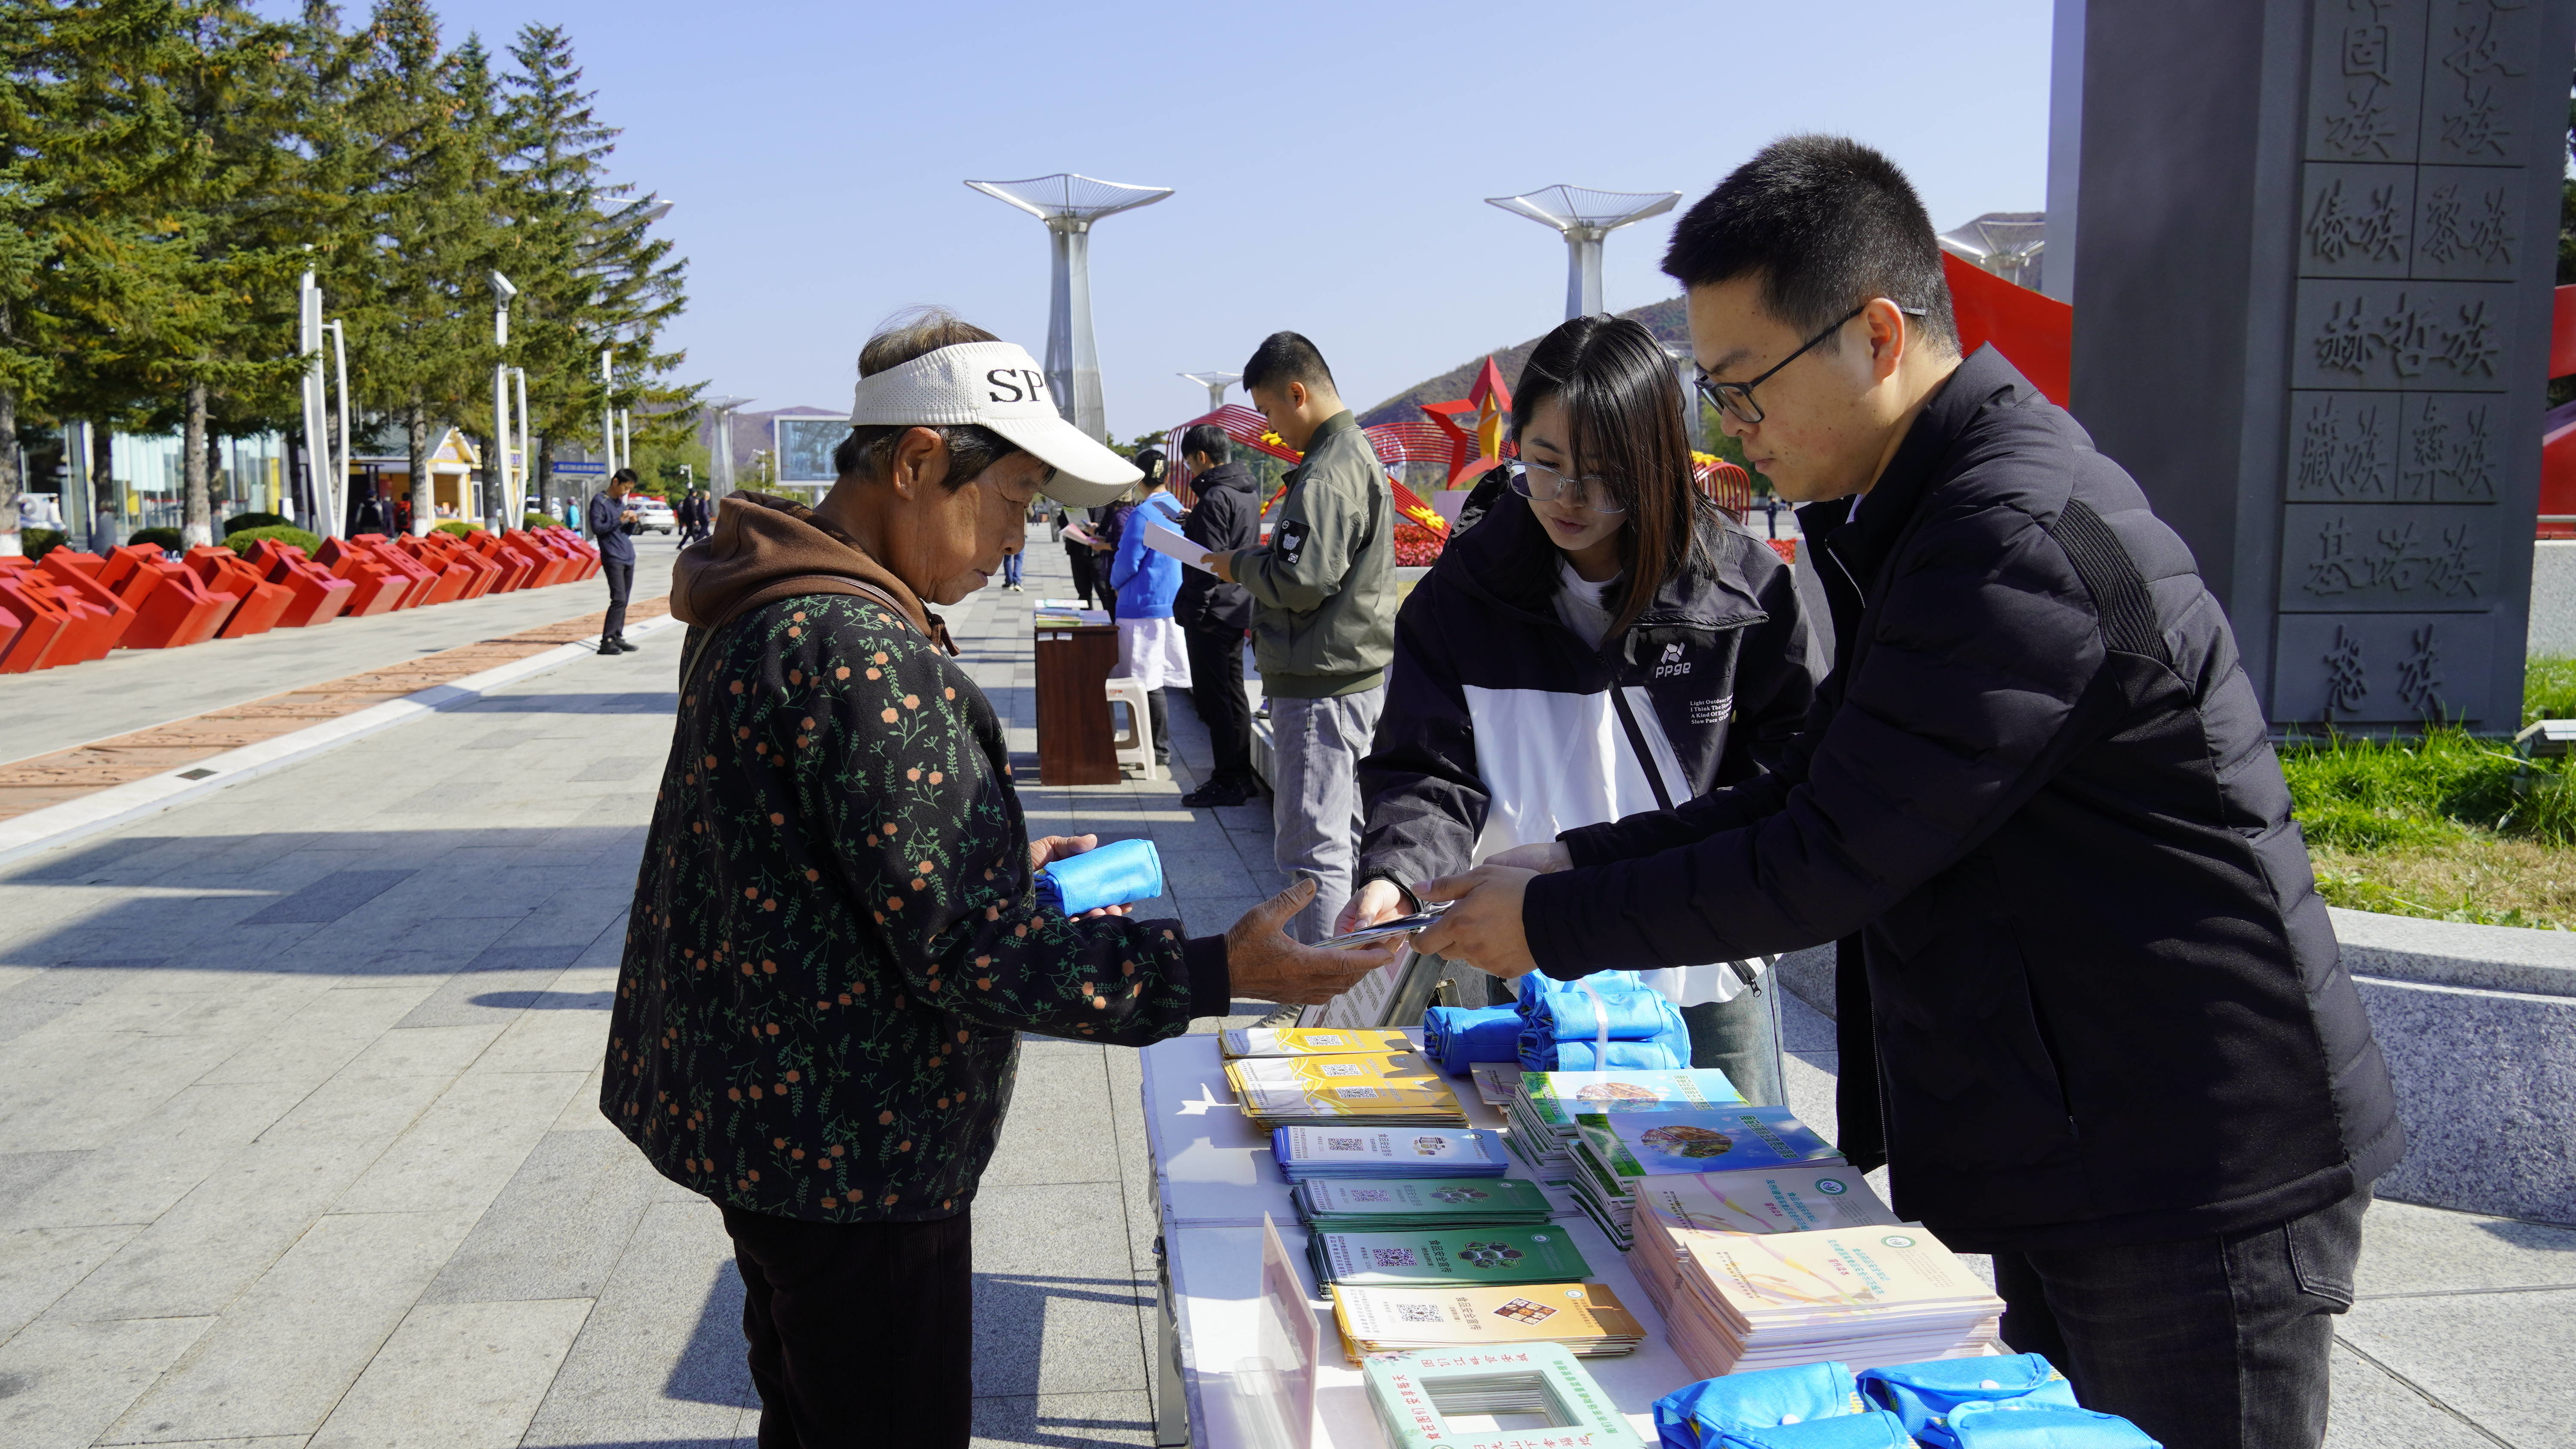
point(611, 522)
point(1607, 642)
point(2093, 1015)
point(1216, 615)
point(1078, 555)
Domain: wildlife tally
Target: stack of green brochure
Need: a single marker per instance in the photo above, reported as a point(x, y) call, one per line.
point(1411, 1204)
point(1544, 1106)
point(1446, 1258)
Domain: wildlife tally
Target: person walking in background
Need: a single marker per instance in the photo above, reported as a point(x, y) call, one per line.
point(1607, 642)
point(1323, 625)
point(1015, 566)
point(612, 521)
point(1151, 649)
point(1214, 615)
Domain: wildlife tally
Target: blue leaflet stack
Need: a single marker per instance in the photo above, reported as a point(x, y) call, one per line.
point(1562, 1024)
point(1461, 1036)
point(1307, 1153)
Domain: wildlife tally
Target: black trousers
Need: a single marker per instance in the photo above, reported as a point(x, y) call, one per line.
point(1216, 687)
point(621, 582)
point(1158, 717)
point(2213, 1343)
point(861, 1333)
point(1085, 579)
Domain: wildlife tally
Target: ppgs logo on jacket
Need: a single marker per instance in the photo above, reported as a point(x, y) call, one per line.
point(1290, 544)
point(1672, 665)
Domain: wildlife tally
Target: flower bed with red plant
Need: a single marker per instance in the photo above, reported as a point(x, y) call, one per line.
point(1417, 546)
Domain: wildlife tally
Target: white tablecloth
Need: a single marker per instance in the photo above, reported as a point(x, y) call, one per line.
point(1214, 1177)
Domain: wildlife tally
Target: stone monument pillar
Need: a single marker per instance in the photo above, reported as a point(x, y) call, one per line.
point(2312, 317)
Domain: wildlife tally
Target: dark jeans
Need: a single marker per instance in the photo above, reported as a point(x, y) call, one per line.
point(2213, 1343)
point(1085, 578)
point(861, 1333)
point(621, 582)
point(1158, 718)
point(1742, 1039)
point(1216, 687)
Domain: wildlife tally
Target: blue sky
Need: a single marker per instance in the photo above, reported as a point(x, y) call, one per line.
point(1330, 160)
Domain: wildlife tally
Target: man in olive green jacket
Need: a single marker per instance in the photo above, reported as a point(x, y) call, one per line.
point(1323, 619)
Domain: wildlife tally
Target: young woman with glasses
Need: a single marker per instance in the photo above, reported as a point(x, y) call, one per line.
point(1605, 642)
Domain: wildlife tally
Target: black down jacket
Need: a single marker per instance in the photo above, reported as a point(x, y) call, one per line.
point(1226, 517)
point(1501, 725)
point(2104, 1000)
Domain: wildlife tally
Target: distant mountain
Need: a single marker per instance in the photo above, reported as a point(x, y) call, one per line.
point(1664, 319)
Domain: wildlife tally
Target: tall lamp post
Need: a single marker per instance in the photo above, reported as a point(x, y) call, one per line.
point(608, 407)
point(1069, 204)
point(720, 454)
point(340, 364)
point(1585, 217)
point(1216, 383)
point(502, 292)
point(308, 342)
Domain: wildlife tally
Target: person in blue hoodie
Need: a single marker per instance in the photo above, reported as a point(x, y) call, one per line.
point(1151, 647)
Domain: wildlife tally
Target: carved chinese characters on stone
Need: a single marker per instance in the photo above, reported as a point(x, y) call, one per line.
point(2371, 669)
point(2448, 451)
point(2365, 80)
point(2419, 674)
point(2477, 86)
point(2468, 223)
point(2388, 556)
point(2357, 221)
point(2344, 445)
point(2449, 335)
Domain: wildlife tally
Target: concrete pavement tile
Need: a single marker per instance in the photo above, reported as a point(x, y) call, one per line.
point(2411, 1249)
point(559, 1226)
point(2372, 1410)
point(456, 1376)
point(423, 1051)
point(333, 896)
point(359, 1109)
point(574, 916)
point(324, 1035)
point(73, 985)
point(1058, 1119)
point(582, 1114)
point(557, 1032)
point(198, 1257)
point(1064, 1419)
point(67, 1101)
point(17, 1018)
point(287, 1350)
point(1211, 915)
point(69, 1381)
point(618, 767)
point(465, 1148)
point(23, 1173)
point(485, 997)
point(117, 1186)
point(1055, 1303)
point(2499, 1358)
point(362, 938)
point(661, 1357)
point(1803, 1028)
point(40, 1265)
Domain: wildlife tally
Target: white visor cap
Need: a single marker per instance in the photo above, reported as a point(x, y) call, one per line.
point(995, 385)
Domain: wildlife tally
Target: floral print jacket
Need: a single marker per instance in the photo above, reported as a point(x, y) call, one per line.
point(835, 940)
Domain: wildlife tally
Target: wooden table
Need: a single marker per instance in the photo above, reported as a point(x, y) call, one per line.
point(1074, 740)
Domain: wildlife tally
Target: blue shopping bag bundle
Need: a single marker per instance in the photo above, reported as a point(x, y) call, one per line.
point(2018, 1402)
point(1606, 1022)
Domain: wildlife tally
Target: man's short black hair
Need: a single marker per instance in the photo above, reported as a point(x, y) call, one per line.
point(1827, 223)
point(1283, 358)
point(1208, 441)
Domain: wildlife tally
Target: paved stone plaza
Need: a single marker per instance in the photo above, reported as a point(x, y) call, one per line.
point(298, 1143)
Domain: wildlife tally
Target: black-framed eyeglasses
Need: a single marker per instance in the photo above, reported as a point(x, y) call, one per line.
point(1547, 485)
point(1735, 399)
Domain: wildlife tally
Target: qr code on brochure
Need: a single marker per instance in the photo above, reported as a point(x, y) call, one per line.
point(1417, 1312)
point(1371, 1194)
point(1344, 1069)
point(1345, 1144)
point(1393, 1258)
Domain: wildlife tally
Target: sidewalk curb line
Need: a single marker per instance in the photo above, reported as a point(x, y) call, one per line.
point(56, 825)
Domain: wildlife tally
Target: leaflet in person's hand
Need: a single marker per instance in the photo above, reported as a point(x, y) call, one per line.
point(1079, 534)
point(1163, 540)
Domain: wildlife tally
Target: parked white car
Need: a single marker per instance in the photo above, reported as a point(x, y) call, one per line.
point(656, 515)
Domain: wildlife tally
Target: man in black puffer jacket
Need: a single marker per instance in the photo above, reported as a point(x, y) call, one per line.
point(1214, 614)
point(2090, 1002)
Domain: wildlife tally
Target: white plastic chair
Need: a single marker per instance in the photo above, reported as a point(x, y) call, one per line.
point(1134, 745)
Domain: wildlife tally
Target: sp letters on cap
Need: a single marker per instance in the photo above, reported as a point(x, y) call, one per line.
point(1016, 384)
point(1291, 542)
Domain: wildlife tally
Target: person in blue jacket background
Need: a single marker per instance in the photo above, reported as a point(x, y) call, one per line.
point(1151, 647)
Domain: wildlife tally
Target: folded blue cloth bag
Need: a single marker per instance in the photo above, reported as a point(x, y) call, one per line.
point(1877, 1429)
point(1693, 1416)
point(1539, 1054)
point(1461, 1036)
point(1923, 1394)
point(1113, 875)
point(2042, 1424)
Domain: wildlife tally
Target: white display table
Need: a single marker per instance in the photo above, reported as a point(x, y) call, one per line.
point(1214, 1178)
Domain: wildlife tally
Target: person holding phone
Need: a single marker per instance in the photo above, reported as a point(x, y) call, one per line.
point(1606, 641)
point(613, 522)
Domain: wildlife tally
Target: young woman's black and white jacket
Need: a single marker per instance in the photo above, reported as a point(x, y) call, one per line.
point(1503, 727)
